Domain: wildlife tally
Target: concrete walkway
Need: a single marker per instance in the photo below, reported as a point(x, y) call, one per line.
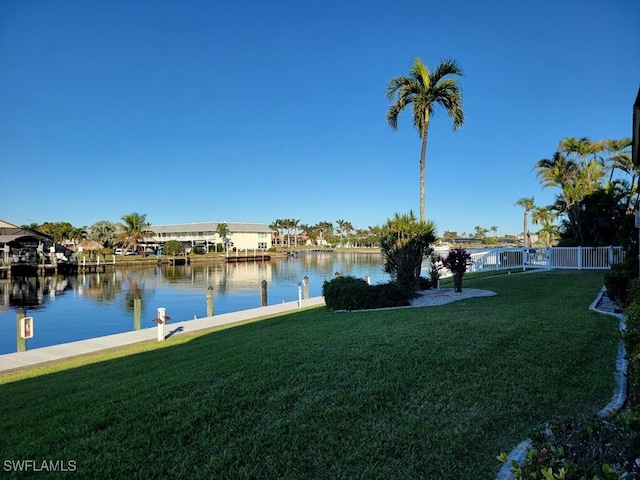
point(37, 356)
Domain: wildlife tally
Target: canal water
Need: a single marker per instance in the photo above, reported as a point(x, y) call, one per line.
point(66, 309)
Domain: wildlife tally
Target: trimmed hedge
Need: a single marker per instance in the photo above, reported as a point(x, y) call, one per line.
point(351, 293)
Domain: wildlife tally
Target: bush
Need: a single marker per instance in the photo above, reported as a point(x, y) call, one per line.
point(456, 262)
point(173, 247)
point(617, 280)
point(424, 283)
point(350, 293)
point(631, 338)
point(197, 250)
point(404, 244)
point(586, 448)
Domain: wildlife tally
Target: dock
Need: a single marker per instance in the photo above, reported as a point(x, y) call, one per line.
point(37, 269)
point(248, 258)
point(96, 267)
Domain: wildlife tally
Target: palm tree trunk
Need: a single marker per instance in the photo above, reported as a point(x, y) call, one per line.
point(423, 161)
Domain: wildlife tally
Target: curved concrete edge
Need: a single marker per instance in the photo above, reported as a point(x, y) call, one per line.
point(519, 453)
point(619, 398)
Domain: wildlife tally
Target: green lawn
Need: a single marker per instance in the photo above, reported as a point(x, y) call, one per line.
point(424, 393)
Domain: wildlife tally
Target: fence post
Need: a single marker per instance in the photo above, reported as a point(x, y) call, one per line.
point(21, 343)
point(137, 313)
point(579, 257)
point(210, 301)
point(263, 293)
point(305, 284)
point(161, 321)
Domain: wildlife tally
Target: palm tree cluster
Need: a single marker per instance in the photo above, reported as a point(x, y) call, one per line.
point(128, 234)
point(405, 243)
point(321, 233)
point(598, 185)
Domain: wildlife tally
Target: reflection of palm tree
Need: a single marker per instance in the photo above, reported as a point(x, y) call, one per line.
point(136, 290)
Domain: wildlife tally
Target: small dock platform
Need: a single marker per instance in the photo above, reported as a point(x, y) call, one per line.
point(179, 261)
point(248, 258)
point(96, 267)
point(37, 269)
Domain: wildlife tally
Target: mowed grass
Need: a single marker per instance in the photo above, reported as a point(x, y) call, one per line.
point(419, 393)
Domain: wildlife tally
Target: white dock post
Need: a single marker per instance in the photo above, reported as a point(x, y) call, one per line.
point(161, 321)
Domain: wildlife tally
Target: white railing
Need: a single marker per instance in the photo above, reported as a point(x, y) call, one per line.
point(577, 258)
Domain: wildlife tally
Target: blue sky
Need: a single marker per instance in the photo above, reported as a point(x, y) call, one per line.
point(251, 111)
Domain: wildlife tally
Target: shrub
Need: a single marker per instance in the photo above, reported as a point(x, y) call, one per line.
point(424, 283)
point(350, 293)
point(456, 262)
point(435, 264)
point(586, 448)
point(631, 338)
point(173, 247)
point(617, 280)
point(197, 250)
point(404, 243)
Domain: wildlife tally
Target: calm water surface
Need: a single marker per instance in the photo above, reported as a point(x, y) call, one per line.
point(93, 305)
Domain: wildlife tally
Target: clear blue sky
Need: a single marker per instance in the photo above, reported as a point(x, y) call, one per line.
point(194, 111)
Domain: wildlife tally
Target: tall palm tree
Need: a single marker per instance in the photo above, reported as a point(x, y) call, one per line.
point(527, 203)
point(424, 90)
point(132, 230)
point(494, 229)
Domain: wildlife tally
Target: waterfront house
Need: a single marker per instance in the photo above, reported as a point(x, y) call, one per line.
point(240, 236)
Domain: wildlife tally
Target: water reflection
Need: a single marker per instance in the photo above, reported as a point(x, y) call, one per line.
point(89, 305)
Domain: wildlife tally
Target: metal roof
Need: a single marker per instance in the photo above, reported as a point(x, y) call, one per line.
point(232, 227)
point(10, 232)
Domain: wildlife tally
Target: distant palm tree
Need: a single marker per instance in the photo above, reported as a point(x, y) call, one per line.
point(223, 230)
point(325, 230)
point(132, 230)
point(527, 203)
point(544, 216)
point(494, 229)
point(341, 227)
point(424, 90)
point(295, 224)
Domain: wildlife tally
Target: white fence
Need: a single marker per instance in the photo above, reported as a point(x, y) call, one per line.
point(577, 258)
